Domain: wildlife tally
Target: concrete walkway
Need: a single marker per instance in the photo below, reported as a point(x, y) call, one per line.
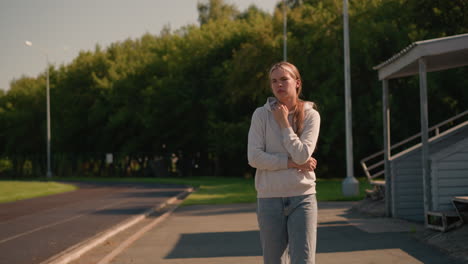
point(229, 234)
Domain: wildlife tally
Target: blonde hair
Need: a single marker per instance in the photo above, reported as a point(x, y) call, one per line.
point(298, 118)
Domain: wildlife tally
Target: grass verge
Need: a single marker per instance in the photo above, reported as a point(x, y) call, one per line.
point(11, 191)
point(330, 190)
point(222, 190)
point(209, 190)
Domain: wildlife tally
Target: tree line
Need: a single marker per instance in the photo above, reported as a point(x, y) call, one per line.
point(191, 91)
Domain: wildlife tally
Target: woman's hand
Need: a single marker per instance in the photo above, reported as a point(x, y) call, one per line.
point(280, 113)
point(310, 165)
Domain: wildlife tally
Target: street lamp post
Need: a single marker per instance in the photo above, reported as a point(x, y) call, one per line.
point(350, 185)
point(49, 171)
point(285, 33)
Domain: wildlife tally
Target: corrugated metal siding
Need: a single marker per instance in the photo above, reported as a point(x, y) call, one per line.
point(408, 191)
point(406, 170)
point(450, 175)
point(453, 165)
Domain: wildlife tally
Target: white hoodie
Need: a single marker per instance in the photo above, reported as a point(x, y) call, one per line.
point(269, 147)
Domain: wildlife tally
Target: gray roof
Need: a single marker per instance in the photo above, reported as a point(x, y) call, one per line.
point(440, 54)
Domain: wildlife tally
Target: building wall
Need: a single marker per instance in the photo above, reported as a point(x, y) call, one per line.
point(408, 197)
point(449, 175)
point(407, 178)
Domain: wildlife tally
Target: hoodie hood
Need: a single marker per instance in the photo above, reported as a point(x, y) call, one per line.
point(272, 102)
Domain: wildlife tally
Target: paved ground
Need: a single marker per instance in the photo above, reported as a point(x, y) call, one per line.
point(229, 234)
point(454, 242)
point(34, 230)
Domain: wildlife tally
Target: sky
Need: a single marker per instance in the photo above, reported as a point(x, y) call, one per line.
point(63, 28)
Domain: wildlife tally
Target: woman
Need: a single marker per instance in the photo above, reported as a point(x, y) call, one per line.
point(282, 138)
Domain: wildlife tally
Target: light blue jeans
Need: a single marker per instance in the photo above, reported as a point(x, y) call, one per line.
point(288, 229)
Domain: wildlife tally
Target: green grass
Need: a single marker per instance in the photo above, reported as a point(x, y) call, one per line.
point(209, 190)
point(222, 190)
point(228, 192)
point(19, 190)
point(330, 190)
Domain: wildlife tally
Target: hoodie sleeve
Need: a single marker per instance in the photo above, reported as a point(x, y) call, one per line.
point(256, 154)
point(301, 148)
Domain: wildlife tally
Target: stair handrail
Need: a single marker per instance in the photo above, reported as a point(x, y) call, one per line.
point(367, 169)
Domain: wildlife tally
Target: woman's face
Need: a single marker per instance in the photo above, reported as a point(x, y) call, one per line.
point(283, 84)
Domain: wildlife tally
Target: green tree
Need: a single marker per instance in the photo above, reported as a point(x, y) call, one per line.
point(194, 89)
point(215, 10)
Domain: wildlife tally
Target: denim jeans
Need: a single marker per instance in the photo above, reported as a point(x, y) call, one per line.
point(288, 229)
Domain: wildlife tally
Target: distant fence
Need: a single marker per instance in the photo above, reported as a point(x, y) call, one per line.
point(105, 165)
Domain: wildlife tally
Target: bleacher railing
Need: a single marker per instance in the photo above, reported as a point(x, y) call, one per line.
point(373, 165)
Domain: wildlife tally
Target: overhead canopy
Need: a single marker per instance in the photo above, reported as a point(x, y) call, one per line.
point(440, 54)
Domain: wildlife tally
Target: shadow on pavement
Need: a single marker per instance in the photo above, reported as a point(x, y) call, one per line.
point(150, 194)
point(222, 244)
point(333, 237)
point(345, 238)
point(193, 211)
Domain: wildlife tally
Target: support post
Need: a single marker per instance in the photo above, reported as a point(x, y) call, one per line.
point(387, 149)
point(48, 139)
point(424, 137)
point(350, 186)
point(49, 169)
point(285, 32)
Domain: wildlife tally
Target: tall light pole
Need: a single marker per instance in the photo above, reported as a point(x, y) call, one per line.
point(350, 185)
point(285, 33)
point(49, 171)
